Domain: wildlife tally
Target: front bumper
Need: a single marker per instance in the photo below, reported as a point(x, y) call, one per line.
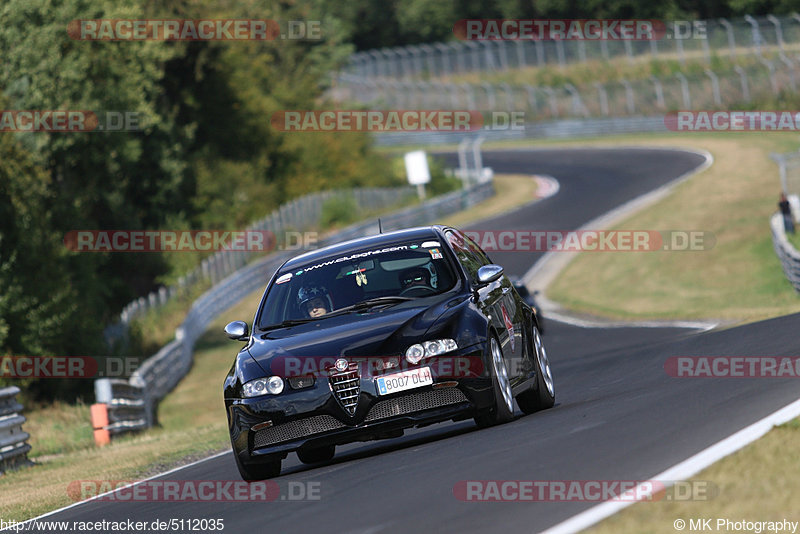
point(313, 417)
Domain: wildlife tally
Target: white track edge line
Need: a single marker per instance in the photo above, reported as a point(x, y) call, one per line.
point(684, 469)
point(132, 484)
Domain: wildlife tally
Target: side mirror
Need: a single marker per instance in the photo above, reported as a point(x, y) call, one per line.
point(489, 273)
point(237, 330)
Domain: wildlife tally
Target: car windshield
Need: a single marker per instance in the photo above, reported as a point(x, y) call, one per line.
point(356, 281)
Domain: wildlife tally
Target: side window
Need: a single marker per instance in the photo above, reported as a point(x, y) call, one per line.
point(465, 251)
point(477, 251)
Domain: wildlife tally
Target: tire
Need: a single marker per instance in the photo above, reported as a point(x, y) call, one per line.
point(259, 471)
point(543, 396)
point(503, 409)
point(316, 455)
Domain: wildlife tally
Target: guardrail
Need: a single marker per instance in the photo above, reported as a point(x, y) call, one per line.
point(13, 446)
point(296, 215)
point(787, 254)
point(789, 166)
point(133, 404)
point(557, 129)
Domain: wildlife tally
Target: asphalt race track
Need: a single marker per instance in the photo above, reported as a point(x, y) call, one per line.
point(618, 415)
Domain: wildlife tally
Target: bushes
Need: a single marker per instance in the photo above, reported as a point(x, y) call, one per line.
point(339, 210)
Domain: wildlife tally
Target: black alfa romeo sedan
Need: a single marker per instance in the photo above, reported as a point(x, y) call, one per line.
point(363, 339)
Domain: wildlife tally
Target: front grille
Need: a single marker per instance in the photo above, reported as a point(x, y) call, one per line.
point(346, 386)
point(295, 429)
point(414, 403)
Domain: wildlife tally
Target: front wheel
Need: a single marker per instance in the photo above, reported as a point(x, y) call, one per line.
point(544, 395)
point(259, 471)
point(503, 410)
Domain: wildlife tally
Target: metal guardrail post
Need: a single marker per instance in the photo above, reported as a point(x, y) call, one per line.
point(577, 104)
point(551, 98)
point(659, 89)
point(444, 51)
point(773, 80)
point(603, 98)
point(520, 46)
point(731, 39)
point(489, 95)
point(462, 159)
point(756, 34)
point(714, 86)
point(790, 65)
point(778, 30)
point(629, 101)
point(531, 93)
point(745, 85)
point(476, 154)
point(687, 99)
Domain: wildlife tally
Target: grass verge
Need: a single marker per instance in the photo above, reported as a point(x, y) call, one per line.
point(192, 427)
point(511, 192)
point(738, 280)
point(192, 417)
point(756, 483)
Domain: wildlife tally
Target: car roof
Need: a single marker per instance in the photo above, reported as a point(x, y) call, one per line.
point(373, 241)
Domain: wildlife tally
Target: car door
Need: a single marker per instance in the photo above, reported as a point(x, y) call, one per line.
point(511, 318)
point(494, 299)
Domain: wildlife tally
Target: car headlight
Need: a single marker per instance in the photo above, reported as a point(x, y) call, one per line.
point(263, 386)
point(417, 352)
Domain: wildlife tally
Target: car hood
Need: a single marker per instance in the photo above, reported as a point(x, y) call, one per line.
point(382, 331)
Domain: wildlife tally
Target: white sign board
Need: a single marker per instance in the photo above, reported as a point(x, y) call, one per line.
point(417, 168)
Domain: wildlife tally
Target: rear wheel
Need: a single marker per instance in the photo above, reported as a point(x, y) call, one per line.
point(503, 410)
point(316, 455)
point(544, 395)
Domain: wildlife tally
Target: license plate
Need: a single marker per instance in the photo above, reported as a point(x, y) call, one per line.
point(406, 380)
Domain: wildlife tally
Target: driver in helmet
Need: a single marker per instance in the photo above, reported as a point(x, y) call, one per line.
point(314, 301)
point(416, 276)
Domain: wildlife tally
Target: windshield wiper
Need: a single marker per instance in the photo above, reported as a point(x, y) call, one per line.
point(290, 322)
point(377, 301)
